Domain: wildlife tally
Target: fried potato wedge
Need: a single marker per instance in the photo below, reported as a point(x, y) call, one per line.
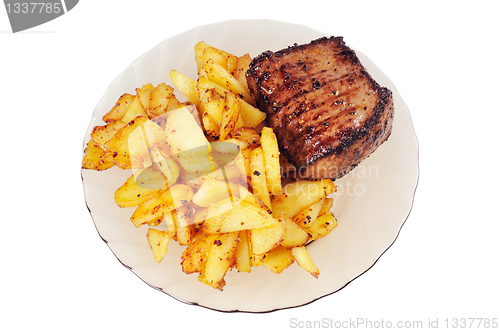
point(271, 154)
point(230, 115)
point(239, 218)
point(265, 239)
point(183, 220)
point(258, 176)
point(143, 185)
point(135, 109)
point(249, 199)
point(327, 206)
point(220, 258)
point(241, 68)
point(309, 214)
point(199, 52)
point(211, 107)
point(248, 135)
point(159, 100)
point(144, 94)
point(167, 165)
point(294, 235)
point(322, 226)
point(220, 76)
point(195, 256)
point(120, 108)
point(158, 241)
point(151, 212)
point(117, 147)
point(95, 158)
point(186, 85)
point(212, 191)
point(141, 140)
point(102, 134)
point(278, 259)
point(242, 254)
point(250, 115)
point(298, 195)
point(302, 257)
point(191, 151)
point(212, 103)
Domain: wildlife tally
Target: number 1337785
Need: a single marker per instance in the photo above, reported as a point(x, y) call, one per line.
point(471, 323)
point(34, 7)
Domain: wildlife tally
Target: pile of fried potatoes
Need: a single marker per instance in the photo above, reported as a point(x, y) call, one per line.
point(207, 174)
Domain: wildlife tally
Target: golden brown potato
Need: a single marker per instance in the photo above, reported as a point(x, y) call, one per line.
point(211, 107)
point(186, 85)
point(212, 172)
point(102, 134)
point(144, 94)
point(151, 212)
point(242, 254)
point(143, 185)
point(158, 241)
point(120, 108)
point(159, 100)
point(327, 205)
point(135, 110)
point(167, 165)
point(298, 195)
point(241, 69)
point(278, 259)
point(220, 76)
point(249, 198)
point(95, 158)
point(191, 151)
point(212, 191)
point(220, 258)
point(322, 226)
point(294, 235)
point(252, 117)
point(195, 256)
point(117, 146)
point(141, 140)
point(230, 115)
point(271, 160)
point(308, 215)
point(183, 219)
point(199, 51)
point(212, 103)
point(239, 218)
point(248, 135)
point(265, 239)
point(258, 175)
point(302, 257)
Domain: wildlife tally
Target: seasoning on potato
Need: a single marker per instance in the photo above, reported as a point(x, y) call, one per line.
point(207, 175)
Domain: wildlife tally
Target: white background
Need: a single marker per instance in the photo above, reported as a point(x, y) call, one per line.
point(58, 275)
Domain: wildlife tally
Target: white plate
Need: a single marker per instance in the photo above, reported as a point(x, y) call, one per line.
point(375, 199)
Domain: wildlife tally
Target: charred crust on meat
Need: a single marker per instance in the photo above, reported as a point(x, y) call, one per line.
point(322, 104)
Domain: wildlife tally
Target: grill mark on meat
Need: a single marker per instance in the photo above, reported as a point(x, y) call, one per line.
point(323, 106)
point(316, 101)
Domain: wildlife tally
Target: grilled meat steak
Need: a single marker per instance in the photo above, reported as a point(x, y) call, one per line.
point(325, 109)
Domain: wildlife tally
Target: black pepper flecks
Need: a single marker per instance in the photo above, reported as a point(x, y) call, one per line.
point(316, 84)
